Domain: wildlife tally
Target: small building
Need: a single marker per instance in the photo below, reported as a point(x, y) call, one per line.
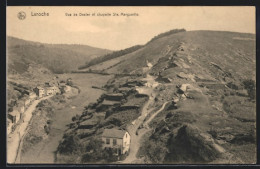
point(118, 140)
point(14, 116)
point(40, 92)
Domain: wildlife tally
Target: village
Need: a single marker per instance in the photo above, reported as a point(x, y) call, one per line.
point(17, 113)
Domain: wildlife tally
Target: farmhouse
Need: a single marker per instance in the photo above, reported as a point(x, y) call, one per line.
point(118, 140)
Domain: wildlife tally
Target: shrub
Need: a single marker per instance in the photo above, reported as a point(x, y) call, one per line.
point(69, 145)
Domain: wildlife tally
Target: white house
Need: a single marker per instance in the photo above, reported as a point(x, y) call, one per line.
point(118, 140)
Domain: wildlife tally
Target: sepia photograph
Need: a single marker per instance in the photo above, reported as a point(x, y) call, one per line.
point(131, 85)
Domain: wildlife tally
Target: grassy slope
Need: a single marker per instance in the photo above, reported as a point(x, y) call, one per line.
point(58, 58)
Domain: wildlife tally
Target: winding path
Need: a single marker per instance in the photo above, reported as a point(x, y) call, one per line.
point(135, 133)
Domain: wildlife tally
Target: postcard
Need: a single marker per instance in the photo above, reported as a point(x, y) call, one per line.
point(131, 85)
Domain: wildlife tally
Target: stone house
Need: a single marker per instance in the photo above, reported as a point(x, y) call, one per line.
point(118, 140)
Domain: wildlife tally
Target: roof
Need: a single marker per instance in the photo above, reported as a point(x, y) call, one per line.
point(115, 133)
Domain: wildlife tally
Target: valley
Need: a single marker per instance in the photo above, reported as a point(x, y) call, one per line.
point(44, 152)
point(184, 97)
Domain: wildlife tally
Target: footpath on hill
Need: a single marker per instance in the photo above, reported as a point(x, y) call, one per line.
point(133, 128)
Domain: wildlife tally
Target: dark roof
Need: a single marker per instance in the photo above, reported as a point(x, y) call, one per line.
point(115, 133)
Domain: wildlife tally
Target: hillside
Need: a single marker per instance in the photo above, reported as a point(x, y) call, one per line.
point(110, 56)
point(58, 58)
point(201, 107)
point(225, 48)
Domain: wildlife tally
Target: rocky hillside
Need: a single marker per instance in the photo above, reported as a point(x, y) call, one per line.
point(58, 58)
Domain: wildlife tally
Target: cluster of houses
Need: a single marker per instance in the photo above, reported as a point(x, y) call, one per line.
point(22, 104)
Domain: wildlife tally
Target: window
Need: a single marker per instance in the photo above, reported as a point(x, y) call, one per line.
point(114, 141)
point(107, 141)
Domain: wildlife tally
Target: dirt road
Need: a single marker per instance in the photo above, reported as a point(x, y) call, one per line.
point(13, 140)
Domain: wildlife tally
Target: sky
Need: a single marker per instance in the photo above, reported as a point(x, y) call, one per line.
point(119, 32)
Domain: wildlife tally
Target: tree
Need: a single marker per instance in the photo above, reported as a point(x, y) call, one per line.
point(70, 145)
point(94, 151)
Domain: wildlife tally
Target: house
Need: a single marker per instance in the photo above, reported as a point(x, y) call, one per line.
point(40, 92)
point(118, 140)
point(14, 116)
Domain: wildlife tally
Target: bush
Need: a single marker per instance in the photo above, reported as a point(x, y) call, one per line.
point(69, 145)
